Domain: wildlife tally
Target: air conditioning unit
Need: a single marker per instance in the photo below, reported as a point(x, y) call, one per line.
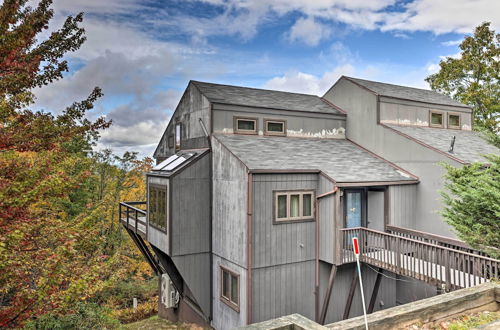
point(169, 296)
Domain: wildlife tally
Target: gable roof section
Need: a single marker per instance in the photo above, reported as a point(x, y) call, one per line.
point(405, 93)
point(340, 159)
point(469, 146)
point(263, 98)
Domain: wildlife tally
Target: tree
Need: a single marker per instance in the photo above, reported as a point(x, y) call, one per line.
point(26, 63)
point(473, 78)
point(472, 204)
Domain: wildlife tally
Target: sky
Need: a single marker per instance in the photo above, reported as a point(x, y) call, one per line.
point(142, 53)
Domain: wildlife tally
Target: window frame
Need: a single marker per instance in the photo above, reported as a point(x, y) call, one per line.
point(228, 300)
point(271, 133)
point(442, 113)
point(245, 131)
point(459, 120)
point(151, 216)
point(288, 218)
point(171, 141)
point(177, 136)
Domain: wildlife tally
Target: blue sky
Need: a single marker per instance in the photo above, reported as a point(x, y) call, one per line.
point(142, 53)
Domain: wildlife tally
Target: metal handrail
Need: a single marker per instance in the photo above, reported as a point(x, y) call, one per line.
point(129, 209)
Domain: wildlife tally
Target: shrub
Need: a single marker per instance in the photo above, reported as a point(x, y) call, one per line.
point(144, 310)
point(85, 316)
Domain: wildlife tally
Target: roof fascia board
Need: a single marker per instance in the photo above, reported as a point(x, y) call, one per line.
point(376, 183)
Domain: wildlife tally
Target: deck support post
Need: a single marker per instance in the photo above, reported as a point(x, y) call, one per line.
point(376, 287)
point(348, 304)
point(328, 294)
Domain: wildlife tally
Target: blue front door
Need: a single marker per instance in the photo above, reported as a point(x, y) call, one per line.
point(353, 209)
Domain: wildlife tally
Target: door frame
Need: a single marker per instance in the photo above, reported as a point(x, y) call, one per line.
point(364, 201)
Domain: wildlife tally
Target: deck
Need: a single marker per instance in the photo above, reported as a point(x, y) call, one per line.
point(453, 266)
point(133, 216)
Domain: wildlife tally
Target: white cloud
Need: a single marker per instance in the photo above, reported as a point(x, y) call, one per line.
point(300, 82)
point(452, 42)
point(309, 31)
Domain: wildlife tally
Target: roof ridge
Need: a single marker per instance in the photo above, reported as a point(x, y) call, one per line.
point(255, 88)
point(384, 83)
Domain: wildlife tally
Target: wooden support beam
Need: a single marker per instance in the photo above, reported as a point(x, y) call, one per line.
point(348, 303)
point(328, 294)
point(376, 287)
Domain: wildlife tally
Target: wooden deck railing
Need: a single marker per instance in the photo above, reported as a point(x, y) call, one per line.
point(432, 263)
point(433, 239)
point(133, 214)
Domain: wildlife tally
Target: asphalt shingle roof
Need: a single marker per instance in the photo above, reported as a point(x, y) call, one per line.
point(264, 98)
point(340, 159)
point(407, 93)
point(469, 145)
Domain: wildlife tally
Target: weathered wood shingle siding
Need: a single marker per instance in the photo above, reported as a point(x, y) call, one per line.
point(402, 206)
point(190, 208)
point(190, 227)
point(404, 112)
point(276, 244)
point(192, 106)
point(283, 290)
point(229, 232)
point(283, 254)
point(419, 160)
point(298, 123)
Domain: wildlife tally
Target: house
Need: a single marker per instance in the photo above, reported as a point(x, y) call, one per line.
point(257, 193)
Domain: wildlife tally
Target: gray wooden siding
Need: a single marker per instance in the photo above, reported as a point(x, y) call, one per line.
point(421, 161)
point(225, 317)
point(190, 208)
point(375, 210)
point(230, 182)
point(195, 270)
point(275, 244)
point(298, 124)
point(192, 106)
point(403, 206)
point(386, 297)
point(415, 113)
point(282, 290)
point(326, 220)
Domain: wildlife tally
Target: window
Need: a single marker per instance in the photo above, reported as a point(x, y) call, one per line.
point(178, 136)
point(245, 125)
point(158, 206)
point(454, 120)
point(436, 119)
point(293, 206)
point(171, 141)
point(275, 127)
point(230, 288)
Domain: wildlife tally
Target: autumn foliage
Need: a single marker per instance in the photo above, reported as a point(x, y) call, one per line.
point(60, 241)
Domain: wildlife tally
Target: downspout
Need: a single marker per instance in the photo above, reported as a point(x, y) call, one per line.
point(249, 247)
point(316, 286)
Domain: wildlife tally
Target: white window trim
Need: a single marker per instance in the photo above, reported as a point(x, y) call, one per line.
point(288, 218)
point(246, 131)
point(277, 121)
point(442, 113)
point(459, 120)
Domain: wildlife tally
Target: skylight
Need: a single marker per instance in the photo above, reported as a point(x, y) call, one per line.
point(165, 162)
